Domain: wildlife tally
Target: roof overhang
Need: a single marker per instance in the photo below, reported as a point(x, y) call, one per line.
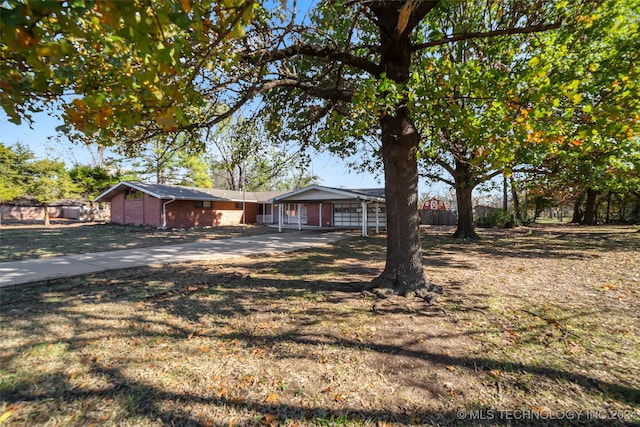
point(318, 193)
point(176, 193)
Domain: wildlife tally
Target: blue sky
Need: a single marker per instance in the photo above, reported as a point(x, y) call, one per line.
point(40, 138)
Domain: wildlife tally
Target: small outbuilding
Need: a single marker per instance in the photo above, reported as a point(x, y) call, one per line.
point(174, 206)
point(332, 207)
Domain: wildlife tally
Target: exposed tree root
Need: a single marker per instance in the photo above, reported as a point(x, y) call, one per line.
point(405, 285)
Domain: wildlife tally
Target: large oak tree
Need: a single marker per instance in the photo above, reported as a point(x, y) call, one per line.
point(140, 69)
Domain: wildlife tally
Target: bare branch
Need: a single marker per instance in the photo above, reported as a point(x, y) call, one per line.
point(487, 34)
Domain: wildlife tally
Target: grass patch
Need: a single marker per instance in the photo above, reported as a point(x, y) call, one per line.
point(20, 242)
point(539, 320)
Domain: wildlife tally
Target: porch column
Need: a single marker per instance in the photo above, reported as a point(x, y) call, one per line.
point(363, 204)
point(320, 223)
point(299, 216)
point(280, 214)
point(377, 219)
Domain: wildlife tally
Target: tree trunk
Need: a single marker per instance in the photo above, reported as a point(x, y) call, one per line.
point(466, 229)
point(505, 193)
point(516, 199)
point(464, 189)
point(403, 271)
point(607, 219)
point(590, 208)
point(577, 213)
point(47, 221)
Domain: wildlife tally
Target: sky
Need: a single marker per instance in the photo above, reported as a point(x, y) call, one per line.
point(41, 139)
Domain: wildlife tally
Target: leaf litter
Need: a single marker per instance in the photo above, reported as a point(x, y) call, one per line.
point(539, 319)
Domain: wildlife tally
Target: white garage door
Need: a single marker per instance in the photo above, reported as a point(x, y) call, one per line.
point(350, 215)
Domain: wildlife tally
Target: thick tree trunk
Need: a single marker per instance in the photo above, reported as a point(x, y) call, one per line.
point(505, 193)
point(403, 270)
point(577, 213)
point(590, 208)
point(465, 230)
point(464, 189)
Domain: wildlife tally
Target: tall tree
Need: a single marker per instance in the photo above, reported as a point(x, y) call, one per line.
point(12, 169)
point(243, 153)
point(348, 69)
point(50, 182)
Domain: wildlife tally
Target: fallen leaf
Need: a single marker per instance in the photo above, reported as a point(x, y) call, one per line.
point(272, 398)
point(450, 368)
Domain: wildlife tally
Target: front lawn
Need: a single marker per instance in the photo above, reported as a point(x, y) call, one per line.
point(20, 242)
point(534, 325)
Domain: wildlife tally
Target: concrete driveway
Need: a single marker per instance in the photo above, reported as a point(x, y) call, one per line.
point(19, 272)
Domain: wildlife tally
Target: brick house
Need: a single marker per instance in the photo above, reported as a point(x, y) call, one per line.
point(174, 206)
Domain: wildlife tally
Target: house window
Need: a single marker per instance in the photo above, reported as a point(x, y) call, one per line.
point(203, 203)
point(238, 205)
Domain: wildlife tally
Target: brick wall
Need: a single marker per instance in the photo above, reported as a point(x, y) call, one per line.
point(327, 214)
point(134, 211)
point(152, 211)
point(184, 214)
point(117, 208)
point(313, 214)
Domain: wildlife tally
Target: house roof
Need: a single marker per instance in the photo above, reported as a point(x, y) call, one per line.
point(320, 193)
point(178, 192)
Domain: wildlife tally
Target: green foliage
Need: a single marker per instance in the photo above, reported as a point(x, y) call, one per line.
point(49, 181)
point(14, 178)
point(499, 218)
point(92, 181)
point(124, 61)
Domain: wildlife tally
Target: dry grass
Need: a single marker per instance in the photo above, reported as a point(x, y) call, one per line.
point(533, 320)
point(27, 241)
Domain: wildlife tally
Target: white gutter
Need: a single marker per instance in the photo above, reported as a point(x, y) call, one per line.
point(164, 211)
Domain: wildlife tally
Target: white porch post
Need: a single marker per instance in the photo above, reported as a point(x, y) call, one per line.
point(320, 221)
point(299, 213)
point(364, 218)
point(377, 219)
point(280, 214)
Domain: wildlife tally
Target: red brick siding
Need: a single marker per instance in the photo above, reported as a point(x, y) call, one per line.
point(313, 214)
point(327, 214)
point(152, 211)
point(183, 214)
point(117, 208)
point(134, 211)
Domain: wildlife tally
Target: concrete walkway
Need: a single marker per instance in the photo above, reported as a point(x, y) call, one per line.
point(19, 272)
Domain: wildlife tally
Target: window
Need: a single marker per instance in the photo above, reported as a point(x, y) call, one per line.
point(203, 203)
point(238, 205)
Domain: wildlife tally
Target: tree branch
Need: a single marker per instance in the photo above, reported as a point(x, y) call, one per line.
point(487, 34)
point(324, 52)
point(437, 177)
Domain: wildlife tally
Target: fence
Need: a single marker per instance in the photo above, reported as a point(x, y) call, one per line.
point(437, 217)
point(35, 213)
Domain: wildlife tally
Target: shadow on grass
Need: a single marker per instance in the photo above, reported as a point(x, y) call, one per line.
point(191, 292)
point(559, 242)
